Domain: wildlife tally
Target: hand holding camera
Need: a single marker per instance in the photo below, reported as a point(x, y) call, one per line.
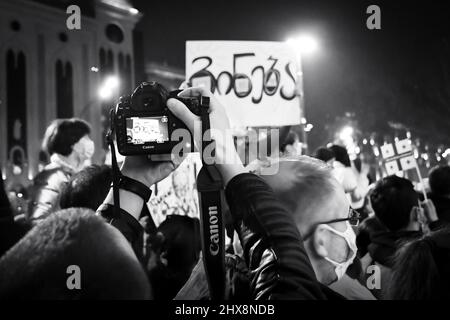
point(155, 122)
point(144, 127)
point(226, 157)
point(148, 172)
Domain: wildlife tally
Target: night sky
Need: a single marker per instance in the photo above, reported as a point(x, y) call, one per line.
point(400, 73)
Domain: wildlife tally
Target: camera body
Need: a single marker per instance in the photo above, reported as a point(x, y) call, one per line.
point(144, 124)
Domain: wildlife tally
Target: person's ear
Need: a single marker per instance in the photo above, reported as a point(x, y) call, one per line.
point(414, 214)
point(319, 241)
point(163, 258)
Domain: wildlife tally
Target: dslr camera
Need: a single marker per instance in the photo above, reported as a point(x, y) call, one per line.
point(144, 124)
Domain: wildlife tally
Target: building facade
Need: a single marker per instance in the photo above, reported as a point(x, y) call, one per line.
point(48, 71)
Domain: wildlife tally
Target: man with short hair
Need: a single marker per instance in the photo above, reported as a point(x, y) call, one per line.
point(87, 188)
point(39, 266)
point(398, 208)
point(307, 189)
point(174, 250)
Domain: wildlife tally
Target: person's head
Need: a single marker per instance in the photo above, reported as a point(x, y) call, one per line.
point(307, 189)
point(72, 249)
point(175, 249)
point(422, 269)
point(324, 154)
point(87, 188)
point(439, 179)
point(366, 229)
point(341, 154)
point(396, 204)
point(69, 137)
point(291, 145)
point(13, 229)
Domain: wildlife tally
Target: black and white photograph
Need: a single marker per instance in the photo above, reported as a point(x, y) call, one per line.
point(220, 157)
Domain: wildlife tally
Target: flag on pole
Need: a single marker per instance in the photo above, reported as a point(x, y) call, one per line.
point(400, 158)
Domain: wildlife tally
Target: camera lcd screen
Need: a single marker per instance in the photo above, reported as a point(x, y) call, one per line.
point(142, 130)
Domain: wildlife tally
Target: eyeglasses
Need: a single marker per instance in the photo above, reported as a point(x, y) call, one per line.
point(353, 219)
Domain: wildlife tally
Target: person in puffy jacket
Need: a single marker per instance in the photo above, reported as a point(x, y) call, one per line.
point(68, 143)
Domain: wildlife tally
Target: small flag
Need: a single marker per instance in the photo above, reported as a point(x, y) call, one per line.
point(400, 158)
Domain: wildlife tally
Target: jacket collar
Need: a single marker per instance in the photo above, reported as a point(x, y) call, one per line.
point(384, 245)
point(59, 161)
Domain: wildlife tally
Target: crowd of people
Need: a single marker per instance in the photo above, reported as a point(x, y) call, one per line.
point(320, 228)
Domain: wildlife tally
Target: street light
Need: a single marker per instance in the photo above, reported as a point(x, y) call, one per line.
point(347, 138)
point(133, 11)
point(108, 87)
point(106, 91)
point(308, 127)
point(346, 134)
point(304, 44)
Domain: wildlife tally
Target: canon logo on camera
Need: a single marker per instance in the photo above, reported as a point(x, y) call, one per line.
point(213, 230)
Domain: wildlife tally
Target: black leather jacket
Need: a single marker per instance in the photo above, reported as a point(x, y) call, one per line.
point(45, 191)
point(273, 248)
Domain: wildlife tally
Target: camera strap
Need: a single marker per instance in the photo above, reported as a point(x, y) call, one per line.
point(117, 175)
point(115, 168)
point(209, 186)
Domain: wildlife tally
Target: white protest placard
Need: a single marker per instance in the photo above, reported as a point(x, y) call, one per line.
point(255, 81)
point(177, 193)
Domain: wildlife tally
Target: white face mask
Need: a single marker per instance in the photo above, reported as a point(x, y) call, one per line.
point(89, 149)
point(350, 238)
point(85, 148)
